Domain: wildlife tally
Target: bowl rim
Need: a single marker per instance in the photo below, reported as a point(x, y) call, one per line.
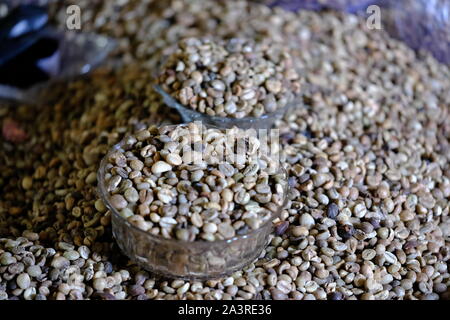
point(104, 196)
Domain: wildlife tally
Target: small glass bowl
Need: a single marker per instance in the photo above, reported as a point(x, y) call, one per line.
point(266, 121)
point(173, 258)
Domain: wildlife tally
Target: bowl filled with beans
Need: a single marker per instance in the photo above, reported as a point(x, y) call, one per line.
point(227, 83)
point(191, 201)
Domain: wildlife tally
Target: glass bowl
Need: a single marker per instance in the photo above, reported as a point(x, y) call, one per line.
point(265, 121)
point(173, 258)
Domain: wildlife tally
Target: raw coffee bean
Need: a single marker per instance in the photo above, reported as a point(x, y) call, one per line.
point(281, 228)
point(332, 210)
point(160, 167)
point(23, 280)
point(346, 231)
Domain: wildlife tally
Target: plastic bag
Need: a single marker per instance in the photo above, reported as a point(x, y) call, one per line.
point(34, 54)
point(14, 3)
point(8, 5)
point(79, 53)
point(421, 24)
point(351, 6)
point(424, 24)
